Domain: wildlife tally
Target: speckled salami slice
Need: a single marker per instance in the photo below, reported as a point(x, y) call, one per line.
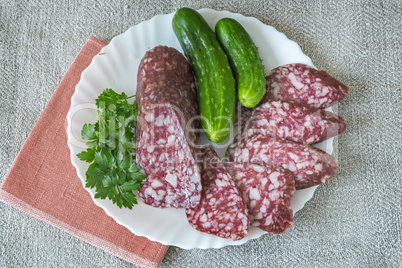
point(267, 193)
point(311, 166)
point(166, 146)
point(221, 211)
point(295, 122)
point(304, 84)
point(291, 121)
point(242, 116)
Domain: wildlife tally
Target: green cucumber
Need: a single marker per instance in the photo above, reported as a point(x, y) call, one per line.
point(245, 61)
point(215, 80)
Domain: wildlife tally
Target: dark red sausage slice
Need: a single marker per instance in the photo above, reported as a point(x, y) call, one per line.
point(311, 166)
point(304, 84)
point(221, 211)
point(267, 193)
point(291, 121)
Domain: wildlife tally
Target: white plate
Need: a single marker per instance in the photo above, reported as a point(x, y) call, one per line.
point(116, 67)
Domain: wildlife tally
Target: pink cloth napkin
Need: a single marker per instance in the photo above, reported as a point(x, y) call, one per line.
point(43, 183)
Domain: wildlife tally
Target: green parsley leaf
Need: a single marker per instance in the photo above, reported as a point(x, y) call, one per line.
point(87, 156)
point(130, 186)
point(94, 176)
point(102, 192)
point(105, 159)
point(92, 144)
point(111, 150)
point(128, 199)
point(88, 132)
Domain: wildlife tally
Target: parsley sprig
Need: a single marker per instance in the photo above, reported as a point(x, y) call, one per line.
point(111, 150)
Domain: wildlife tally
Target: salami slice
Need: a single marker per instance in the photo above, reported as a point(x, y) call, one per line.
point(291, 121)
point(267, 192)
point(304, 84)
point(295, 122)
point(311, 166)
point(221, 211)
point(242, 115)
point(166, 146)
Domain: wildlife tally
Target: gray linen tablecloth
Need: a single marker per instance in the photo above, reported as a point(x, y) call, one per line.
point(354, 220)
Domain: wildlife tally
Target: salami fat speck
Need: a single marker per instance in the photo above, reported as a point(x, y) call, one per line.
point(304, 84)
point(221, 211)
point(166, 146)
point(267, 192)
point(311, 166)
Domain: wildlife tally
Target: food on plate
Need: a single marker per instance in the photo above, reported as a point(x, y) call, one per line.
point(111, 153)
point(289, 120)
point(311, 166)
point(267, 192)
point(215, 80)
point(166, 137)
point(242, 115)
point(245, 61)
point(221, 211)
point(296, 122)
point(168, 101)
point(304, 84)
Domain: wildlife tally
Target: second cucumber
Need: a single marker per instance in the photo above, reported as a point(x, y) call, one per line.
point(245, 60)
point(215, 81)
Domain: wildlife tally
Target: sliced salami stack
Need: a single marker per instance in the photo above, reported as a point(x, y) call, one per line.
point(166, 148)
point(289, 119)
point(221, 211)
point(267, 193)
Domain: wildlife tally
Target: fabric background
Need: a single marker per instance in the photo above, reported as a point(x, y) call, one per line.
point(354, 220)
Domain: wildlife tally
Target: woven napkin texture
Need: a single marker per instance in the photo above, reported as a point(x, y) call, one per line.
point(43, 183)
point(354, 220)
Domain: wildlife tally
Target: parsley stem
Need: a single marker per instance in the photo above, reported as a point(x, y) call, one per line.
point(118, 190)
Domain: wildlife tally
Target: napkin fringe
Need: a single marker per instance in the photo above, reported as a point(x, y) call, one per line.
point(87, 237)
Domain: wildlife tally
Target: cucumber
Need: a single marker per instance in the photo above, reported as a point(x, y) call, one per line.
point(215, 80)
point(245, 61)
